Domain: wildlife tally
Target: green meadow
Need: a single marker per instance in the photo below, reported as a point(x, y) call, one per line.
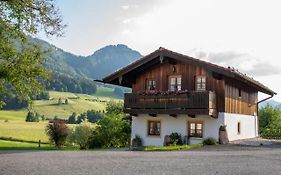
point(15, 132)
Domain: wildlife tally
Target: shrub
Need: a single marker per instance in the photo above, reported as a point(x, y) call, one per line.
point(113, 107)
point(269, 133)
point(66, 101)
point(176, 138)
point(269, 118)
point(82, 117)
point(81, 134)
point(57, 132)
point(111, 131)
point(72, 118)
point(60, 101)
point(32, 117)
point(209, 141)
point(94, 116)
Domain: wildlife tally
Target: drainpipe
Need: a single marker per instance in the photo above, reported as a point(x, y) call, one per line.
point(258, 110)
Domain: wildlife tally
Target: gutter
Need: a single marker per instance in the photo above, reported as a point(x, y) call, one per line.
point(100, 81)
point(262, 101)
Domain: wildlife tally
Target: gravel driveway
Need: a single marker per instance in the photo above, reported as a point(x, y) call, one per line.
point(207, 160)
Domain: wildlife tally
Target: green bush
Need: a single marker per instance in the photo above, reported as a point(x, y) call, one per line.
point(32, 117)
point(269, 133)
point(111, 131)
point(57, 132)
point(94, 116)
point(209, 141)
point(269, 118)
point(81, 134)
point(60, 101)
point(114, 107)
point(72, 118)
point(175, 138)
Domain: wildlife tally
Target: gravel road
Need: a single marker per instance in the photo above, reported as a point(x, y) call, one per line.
point(207, 160)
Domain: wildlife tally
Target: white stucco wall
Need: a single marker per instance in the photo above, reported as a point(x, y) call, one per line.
point(179, 124)
point(168, 125)
point(248, 126)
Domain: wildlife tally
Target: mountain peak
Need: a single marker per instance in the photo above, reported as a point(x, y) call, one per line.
point(101, 63)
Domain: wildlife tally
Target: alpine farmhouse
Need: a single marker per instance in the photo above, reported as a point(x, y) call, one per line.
point(172, 92)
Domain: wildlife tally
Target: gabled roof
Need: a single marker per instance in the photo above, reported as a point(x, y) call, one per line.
point(162, 52)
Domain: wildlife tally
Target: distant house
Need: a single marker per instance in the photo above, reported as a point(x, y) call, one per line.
point(172, 92)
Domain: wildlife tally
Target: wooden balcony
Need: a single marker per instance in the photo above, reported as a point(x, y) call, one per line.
point(191, 103)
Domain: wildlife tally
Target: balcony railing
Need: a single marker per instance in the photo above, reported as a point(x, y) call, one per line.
point(191, 103)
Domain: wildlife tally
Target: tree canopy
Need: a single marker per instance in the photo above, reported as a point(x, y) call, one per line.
point(21, 62)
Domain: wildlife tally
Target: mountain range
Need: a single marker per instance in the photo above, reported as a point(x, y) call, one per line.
point(96, 66)
point(271, 102)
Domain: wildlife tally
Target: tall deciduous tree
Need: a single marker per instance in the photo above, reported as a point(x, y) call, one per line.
point(21, 62)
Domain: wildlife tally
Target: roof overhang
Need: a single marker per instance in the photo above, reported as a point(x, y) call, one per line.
point(126, 76)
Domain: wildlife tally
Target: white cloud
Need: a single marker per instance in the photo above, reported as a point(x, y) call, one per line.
point(125, 21)
point(125, 7)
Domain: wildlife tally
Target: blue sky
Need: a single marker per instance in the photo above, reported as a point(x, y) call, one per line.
point(242, 34)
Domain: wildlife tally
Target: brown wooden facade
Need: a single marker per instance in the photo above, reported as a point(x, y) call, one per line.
point(188, 72)
point(232, 92)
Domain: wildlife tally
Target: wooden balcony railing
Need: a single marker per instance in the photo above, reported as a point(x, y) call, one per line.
point(191, 103)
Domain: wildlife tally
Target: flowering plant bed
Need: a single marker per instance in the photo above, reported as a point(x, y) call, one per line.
point(151, 93)
point(168, 148)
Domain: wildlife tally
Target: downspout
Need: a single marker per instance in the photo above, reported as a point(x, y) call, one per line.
point(258, 110)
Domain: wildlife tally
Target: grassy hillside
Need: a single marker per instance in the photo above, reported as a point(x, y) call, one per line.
point(78, 103)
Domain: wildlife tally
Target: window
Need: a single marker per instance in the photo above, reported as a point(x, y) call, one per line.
point(195, 129)
point(175, 83)
point(240, 93)
point(154, 128)
point(200, 83)
point(151, 85)
point(238, 128)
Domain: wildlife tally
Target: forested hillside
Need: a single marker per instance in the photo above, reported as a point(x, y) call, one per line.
point(101, 63)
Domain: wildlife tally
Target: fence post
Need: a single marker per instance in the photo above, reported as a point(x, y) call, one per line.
point(39, 143)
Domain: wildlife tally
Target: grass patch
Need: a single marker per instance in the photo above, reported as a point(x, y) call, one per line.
point(24, 131)
point(12, 114)
point(169, 148)
point(13, 145)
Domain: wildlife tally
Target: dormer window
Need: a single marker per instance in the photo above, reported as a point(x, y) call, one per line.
point(151, 85)
point(175, 83)
point(200, 83)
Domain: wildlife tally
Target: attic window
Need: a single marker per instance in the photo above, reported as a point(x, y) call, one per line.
point(200, 83)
